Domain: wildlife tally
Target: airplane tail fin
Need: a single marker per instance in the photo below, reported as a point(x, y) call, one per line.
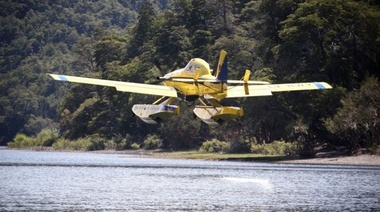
point(222, 69)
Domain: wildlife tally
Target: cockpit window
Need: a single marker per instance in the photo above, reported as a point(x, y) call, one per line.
point(192, 67)
point(189, 66)
point(197, 67)
point(195, 64)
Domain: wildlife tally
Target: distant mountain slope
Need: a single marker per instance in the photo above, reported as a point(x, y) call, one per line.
point(38, 37)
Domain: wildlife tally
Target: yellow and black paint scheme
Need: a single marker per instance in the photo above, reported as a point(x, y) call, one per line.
point(195, 82)
point(215, 114)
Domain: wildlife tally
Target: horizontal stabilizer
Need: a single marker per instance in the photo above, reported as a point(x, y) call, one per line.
point(157, 90)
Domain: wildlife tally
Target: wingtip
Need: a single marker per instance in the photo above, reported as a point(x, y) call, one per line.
point(323, 85)
point(58, 77)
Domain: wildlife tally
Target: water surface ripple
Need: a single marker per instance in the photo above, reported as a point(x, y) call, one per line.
point(71, 181)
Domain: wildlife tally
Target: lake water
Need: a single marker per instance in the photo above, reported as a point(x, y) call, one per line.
point(68, 181)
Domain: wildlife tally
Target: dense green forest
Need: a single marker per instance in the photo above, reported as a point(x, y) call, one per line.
point(279, 40)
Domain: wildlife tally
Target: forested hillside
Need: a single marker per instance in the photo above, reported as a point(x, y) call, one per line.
point(279, 40)
point(39, 37)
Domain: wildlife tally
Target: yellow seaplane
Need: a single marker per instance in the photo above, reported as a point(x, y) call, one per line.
point(195, 82)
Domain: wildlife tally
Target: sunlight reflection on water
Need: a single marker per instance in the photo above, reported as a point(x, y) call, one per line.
point(87, 181)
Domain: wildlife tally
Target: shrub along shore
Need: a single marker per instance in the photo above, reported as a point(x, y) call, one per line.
point(362, 159)
point(331, 159)
point(151, 146)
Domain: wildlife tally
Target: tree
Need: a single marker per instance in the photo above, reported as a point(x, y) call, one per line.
point(181, 132)
point(261, 21)
point(84, 51)
point(220, 17)
point(337, 39)
point(40, 37)
point(240, 54)
point(356, 123)
point(266, 119)
point(172, 43)
point(316, 43)
point(142, 31)
point(108, 48)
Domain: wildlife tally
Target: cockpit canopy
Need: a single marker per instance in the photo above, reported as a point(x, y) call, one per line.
point(198, 63)
point(190, 68)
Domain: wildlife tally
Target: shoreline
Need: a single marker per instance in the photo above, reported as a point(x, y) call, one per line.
point(354, 160)
point(361, 159)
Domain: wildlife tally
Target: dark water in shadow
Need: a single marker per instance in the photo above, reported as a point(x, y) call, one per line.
point(91, 181)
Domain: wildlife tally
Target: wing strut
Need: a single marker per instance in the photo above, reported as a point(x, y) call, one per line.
point(245, 80)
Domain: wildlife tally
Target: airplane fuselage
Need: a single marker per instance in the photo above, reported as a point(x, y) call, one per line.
point(195, 80)
point(188, 89)
point(192, 82)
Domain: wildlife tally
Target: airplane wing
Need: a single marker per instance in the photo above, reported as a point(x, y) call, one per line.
point(266, 90)
point(247, 82)
point(158, 90)
point(189, 80)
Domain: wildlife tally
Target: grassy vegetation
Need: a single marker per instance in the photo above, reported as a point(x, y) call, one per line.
point(276, 148)
point(21, 141)
point(152, 142)
point(221, 150)
point(82, 144)
point(214, 146)
point(228, 156)
point(45, 138)
point(210, 150)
